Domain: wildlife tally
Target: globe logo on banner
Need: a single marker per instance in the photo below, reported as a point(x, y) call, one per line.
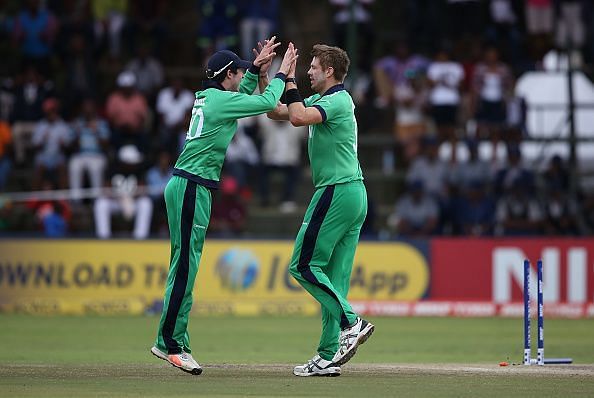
point(238, 269)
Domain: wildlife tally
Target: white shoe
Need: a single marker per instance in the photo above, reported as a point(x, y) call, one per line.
point(317, 366)
point(182, 361)
point(350, 339)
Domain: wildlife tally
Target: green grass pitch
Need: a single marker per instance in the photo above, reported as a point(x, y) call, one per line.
point(94, 356)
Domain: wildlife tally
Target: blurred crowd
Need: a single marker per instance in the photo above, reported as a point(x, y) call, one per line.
point(91, 108)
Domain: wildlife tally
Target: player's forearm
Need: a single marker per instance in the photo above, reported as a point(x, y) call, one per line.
point(279, 113)
point(297, 114)
point(295, 106)
point(263, 82)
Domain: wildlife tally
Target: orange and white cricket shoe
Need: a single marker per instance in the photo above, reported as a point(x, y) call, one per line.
point(182, 361)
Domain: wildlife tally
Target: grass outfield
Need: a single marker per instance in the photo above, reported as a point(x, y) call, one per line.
point(108, 356)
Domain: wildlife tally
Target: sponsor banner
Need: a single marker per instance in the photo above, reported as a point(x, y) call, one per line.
point(235, 277)
point(467, 309)
point(491, 270)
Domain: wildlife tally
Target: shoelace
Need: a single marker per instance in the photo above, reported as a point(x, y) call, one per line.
point(344, 340)
point(311, 363)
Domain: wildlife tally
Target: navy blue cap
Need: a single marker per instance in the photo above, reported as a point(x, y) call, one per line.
point(220, 61)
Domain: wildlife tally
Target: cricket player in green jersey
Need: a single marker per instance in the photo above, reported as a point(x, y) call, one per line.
point(227, 96)
point(325, 246)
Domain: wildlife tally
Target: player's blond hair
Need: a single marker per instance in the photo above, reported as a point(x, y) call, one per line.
point(334, 57)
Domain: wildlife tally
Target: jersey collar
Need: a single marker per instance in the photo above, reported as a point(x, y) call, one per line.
point(334, 89)
point(212, 84)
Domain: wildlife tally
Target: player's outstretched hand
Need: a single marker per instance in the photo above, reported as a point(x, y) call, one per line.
point(293, 68)
point(265, 66)
point(266, 54)
point(289, 58)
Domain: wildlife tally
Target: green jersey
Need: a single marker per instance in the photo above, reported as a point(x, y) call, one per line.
point(214, 122)
point(332, 144)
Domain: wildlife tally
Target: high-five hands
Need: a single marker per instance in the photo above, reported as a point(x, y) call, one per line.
point(289, 60)
point(265, 54)
point(293, 65)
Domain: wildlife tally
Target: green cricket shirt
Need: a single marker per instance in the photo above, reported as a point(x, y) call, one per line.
point(332, 144)
point(214, 122)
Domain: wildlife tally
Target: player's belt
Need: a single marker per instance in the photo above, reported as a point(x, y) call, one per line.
point(211, 184)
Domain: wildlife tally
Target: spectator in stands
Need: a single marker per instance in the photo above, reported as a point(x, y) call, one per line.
point(514, 170)
point(416, 213)
point(157, 178)
point(518, 211)
point(411, 124)
point(229, 214)
point(51, 137)
point(539, 17)
point(127, 112)
point(80, 73)
point(75, 19)
point(148, 20)
point(432, 171)
point(126, 196)
point(445, 78)
point(110, 19)
point(259, 18)
point(30, 92)
point(363, 20)
point(218, 26)
point(491, 87)
point(435, 175)
point(281, 152)
point(394, 71)
point(5, 153)
point(89, 149)
point(34, 32)
point(148, 72)
point(52, 216)
point(571, 32)
point(474, 210)
point(557, 173)
point(399, 81)
point(560, 212)
point(173, 103)
point(505, 28)
point(475, 169)
point(242, 155)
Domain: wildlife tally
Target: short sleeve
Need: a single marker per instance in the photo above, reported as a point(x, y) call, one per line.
point(310, 100)
point(328, 108)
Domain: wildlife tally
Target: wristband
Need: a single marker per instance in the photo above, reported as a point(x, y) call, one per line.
point(290, 80)
point(293, 96)
point(254, 69)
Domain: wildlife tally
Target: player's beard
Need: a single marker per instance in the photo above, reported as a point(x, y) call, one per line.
point(316, 85)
